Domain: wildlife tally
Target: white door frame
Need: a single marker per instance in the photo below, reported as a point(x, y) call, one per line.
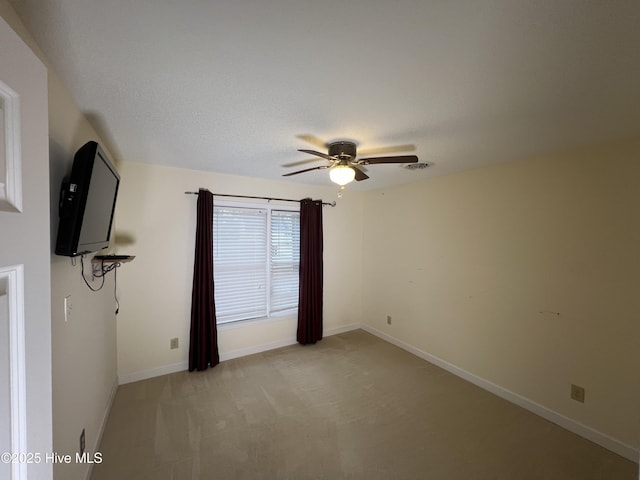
point(25, 262)
point(12, 287)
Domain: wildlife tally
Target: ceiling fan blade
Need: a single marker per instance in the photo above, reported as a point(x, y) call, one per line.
point(312, 139)
point(318, 154)
point(300, 162)
point(360, 175)
point(389, 149)
point(398, 159)
point(322, 167)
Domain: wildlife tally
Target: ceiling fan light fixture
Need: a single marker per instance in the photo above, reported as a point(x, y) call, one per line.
point(342, 174)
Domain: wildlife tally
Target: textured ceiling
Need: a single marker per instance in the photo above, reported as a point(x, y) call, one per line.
point(229, 86)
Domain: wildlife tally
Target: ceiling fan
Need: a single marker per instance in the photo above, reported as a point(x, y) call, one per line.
point(343, 166)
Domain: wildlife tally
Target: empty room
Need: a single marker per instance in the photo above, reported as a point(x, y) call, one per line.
point(319, 240)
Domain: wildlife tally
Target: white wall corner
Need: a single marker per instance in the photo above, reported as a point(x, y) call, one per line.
point(241, 352)
point(103, 424)
point(602, 439)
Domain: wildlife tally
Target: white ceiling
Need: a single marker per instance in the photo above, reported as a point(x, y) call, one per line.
point(229, 85)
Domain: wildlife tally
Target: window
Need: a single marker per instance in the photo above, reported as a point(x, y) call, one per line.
point(256, 259)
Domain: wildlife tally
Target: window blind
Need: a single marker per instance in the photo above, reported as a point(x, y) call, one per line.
point(285, 259)
point(240, 263)
point(256, 259)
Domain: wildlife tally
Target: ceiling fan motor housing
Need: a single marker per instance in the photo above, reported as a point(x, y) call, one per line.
point(342, 150)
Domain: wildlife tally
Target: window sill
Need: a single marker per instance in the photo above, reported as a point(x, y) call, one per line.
point(288, 315)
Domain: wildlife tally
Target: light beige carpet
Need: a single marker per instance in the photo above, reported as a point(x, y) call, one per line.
point(350, 407)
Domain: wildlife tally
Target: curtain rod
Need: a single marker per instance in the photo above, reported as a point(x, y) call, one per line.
point(332, 204)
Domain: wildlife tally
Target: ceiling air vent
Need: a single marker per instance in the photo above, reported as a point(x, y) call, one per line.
point(416, 166)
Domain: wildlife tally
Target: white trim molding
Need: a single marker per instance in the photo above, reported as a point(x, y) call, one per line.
point(602, 439)
point(103, 424)
point(224, 356)
point(10, 151)
point(12, 285)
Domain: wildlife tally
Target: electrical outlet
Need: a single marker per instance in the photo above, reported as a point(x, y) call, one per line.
point(67, 308)
point(388, 319)
point(173, 343)
point(577, 393)
point(82, 442)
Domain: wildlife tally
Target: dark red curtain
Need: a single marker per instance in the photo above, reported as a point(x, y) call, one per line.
point(311, 276)
point(203, 345)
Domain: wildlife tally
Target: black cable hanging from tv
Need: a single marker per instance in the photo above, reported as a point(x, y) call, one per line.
point(332, 204)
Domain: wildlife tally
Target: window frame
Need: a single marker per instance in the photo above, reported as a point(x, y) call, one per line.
point(270, 316)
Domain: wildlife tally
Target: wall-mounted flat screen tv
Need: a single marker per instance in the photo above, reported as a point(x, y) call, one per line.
point(87, 203)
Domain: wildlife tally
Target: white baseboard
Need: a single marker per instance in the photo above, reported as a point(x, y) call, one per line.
point(243, 352)
point(224, 356)
point(342, 329)
point(584, 431)
point(103, 424)
point(602, 439)
point(152, 372)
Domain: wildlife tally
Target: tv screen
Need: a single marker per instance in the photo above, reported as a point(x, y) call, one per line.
point(87, 203)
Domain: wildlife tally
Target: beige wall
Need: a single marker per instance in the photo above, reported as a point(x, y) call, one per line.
point(523, 274)
point(156, 223)
point(83, 350)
